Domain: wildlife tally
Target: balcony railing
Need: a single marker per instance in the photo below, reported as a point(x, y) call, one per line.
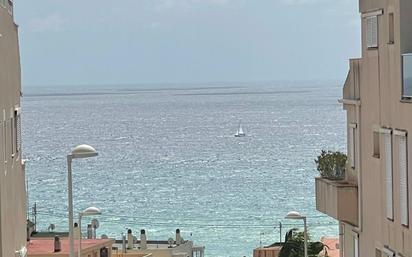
point(338, 199)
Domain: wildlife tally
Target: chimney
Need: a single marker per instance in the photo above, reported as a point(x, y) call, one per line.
point(178, 238)
point(129, 239)
point(124, 250)
point(57, 244)
point(143, 241)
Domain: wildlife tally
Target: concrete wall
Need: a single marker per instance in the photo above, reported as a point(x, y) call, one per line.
point(12, 182)
point(267, 252)
point(169, 252)
point(382, 106)
point(184, 249)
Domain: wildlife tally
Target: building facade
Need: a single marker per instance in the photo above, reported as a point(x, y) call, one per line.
point(12, 177)
point(373, 203)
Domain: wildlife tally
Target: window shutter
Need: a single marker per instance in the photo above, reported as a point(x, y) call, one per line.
point(4, 144)
point(372, 31)
point(388, 175)
point(403, 180)
point(356, 246)
point(354, 147)
point(374, 21)
point(18, 132)
point(352, 144)
point(1, 144)
point(13, 135)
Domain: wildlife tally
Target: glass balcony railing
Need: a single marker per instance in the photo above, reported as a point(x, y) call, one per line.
point(407, 76)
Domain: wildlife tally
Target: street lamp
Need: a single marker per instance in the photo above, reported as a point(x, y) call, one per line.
point(80, 151)
point(87, 212)
point(294, 215)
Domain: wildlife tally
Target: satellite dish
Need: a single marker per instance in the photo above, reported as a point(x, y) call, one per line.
point(51, 227)
point(104, 236)
point(170, 241)
point(95, 223)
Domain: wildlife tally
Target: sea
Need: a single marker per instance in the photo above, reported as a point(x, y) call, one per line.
point(168, 158)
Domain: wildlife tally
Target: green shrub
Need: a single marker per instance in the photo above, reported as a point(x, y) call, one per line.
point(331, 165)
point(294, 245)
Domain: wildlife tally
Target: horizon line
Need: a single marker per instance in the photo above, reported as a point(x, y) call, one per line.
point(334, 80)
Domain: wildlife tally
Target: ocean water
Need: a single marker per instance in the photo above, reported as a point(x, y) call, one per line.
point(168, 158)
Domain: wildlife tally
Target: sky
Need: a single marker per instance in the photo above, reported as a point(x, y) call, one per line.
point(192, 41)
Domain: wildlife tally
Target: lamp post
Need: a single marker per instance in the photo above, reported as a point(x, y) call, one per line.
point(87, 212)
point(294, 215)
point(80, 151)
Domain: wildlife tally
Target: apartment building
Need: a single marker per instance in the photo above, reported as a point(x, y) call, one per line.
point(12, 182)
point(373, 203)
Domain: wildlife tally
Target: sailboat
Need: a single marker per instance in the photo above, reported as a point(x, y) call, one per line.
point(240, 132)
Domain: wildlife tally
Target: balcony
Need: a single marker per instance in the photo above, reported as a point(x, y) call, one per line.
point(351, 89)
point(338, 199)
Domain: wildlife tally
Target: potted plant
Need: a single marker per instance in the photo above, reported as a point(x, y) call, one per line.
point(331, 165)
point(294, 246)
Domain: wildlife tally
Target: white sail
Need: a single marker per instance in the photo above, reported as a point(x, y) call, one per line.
point(240, 132)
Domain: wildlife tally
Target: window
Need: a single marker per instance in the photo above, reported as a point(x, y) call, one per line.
point(391, 29)
point(352, 144)
point(388, 173)
point(376, 146)
point(6, 136)
point(403, 176)
point(372, 31)
point(2, 145)
point(17, 131)
point(13, 136)
point(10, 7)
point(407, 76)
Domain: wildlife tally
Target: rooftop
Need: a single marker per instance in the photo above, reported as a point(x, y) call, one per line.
point(333, 246)
point(41, 247)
